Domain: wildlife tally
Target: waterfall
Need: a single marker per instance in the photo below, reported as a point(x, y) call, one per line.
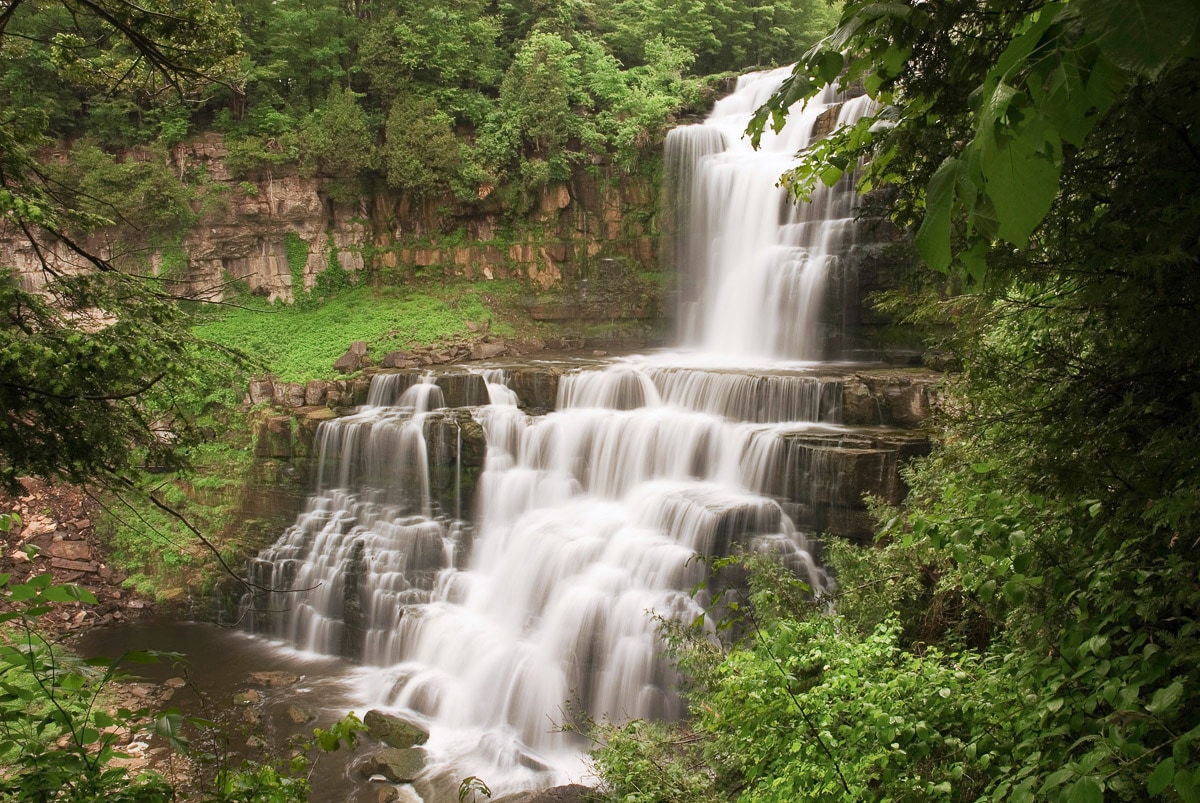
point(589, 521)
point(754, 264)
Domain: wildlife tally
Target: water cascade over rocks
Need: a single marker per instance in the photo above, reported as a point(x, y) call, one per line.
point(494, 616)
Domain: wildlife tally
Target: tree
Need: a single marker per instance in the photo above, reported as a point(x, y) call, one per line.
point(444, 51)
point(338, 139)
point(421, 154)
point(95, 362)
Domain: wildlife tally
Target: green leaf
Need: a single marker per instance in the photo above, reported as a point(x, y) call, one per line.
point(1165, 699)
point(1185, 786)
point(68, 592)
point(1086, 790)
point(933, 238)
point(831, 175)
point(1141, 35)
point(1161, 778)
point(1020, 177)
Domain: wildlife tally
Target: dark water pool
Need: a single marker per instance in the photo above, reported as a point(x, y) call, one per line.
point(217, 665)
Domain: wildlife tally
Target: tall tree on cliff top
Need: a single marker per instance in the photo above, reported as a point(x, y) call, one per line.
point(93, 360)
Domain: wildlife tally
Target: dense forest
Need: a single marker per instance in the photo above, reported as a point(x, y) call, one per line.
point(419, 97)
point(1025, 626)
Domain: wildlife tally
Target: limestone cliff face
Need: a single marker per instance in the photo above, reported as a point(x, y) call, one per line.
point(563, 239)
point(244, 236)
point(277, 229)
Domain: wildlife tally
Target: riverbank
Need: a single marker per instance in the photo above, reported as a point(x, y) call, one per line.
point(57, 536)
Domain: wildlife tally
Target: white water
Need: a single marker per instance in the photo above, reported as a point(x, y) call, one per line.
point(588, 521)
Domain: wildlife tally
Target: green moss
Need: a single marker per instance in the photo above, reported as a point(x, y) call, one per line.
point(298, 344)
point(297, 258)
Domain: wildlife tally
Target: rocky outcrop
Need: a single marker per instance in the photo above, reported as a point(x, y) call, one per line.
point(394, 731)
point(889, 397)
point(392, 764)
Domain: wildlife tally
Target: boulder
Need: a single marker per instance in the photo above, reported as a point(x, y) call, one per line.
point(251, 697)
point(487, 351)
point(354, 358)
point(394, 764)
point(399, 359)
point(393, 730)
point(299, 714)
point(262, 391)
point(315, 392)
point(275, 679)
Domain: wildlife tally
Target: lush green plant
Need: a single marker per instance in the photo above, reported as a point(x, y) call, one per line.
point(57, 736)
point(421, 154)
point(300, 344)
point(338, 139)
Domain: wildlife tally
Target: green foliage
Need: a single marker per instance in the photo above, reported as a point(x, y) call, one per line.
point(540, 90)
point(301, 344)
point(297, 258)
point(447, 52)
point(810, 708)
point(252, 154)
point(421, 154)
point(57, 738)
point(140, 191)
point(84, 401)
point(338, 139)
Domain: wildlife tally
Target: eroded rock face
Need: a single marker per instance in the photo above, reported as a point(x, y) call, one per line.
point(902, 398)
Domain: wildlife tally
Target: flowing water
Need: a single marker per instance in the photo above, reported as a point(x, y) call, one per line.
point(498, 617)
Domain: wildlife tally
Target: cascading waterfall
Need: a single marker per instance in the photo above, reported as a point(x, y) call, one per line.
point(588, 519)
point(752, 263)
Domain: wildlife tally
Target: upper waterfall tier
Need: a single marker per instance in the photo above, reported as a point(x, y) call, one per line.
point(753, 264)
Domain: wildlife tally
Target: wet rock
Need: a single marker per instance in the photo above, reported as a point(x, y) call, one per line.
point(903, 398)
point(250, 697)
point(273, 679)
point(462, 389)
point(399, 359)
point(573, 793)
point(397, 765)
point(488, 351)
point(299, 714)
point(315, 392)
point(393, 730)
point(354, 594)
point(275, 438)
point(536, 387)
